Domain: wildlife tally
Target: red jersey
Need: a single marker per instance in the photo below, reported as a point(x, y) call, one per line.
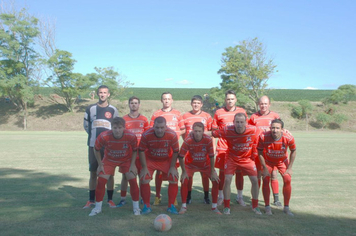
point(275, 151)
point(239, 145)
point(136, 125)
point(263, 121)
point(197, 154)
point(173, 118)
point(223, 118)
point(159, 149)
point(119, 150)
point(190, 119)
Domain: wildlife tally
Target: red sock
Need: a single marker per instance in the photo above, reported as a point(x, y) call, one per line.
point(266, 190)
point(158, 183)
point(254, 203)
point(239, 181)
point(214, 192)
point(205, 181)
point(275, 186)
point(287, 189)
point(100, 189)
point(184, 190)
point(227, 203)
point(146, 193)
point(222, 179)
point(190, 184)
point(134, 191)
point(172, 193)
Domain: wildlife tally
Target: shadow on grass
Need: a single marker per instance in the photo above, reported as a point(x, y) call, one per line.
point(37, 203)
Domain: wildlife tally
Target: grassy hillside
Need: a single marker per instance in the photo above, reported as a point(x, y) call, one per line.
point(288, 95)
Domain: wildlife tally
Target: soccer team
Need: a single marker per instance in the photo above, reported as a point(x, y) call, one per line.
point(256, 147)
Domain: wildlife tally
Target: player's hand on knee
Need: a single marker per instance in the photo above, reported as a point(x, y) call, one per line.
point(100, 169)
point(288, 172)
point(133, 170)
point(183, 176)
point(214, 177)
point(143, 174)
point(266, 173)
point(173, 171)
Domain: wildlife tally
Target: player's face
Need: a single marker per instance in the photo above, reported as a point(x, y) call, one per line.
point(197, 105)
point(230, 101)
point(134, 105)
point(198, 133)
point(118, 131)
point(240, 124)
point(167, 100)
point(103, 94)
point(264, 105)
point(160, 129)
point(276, 130)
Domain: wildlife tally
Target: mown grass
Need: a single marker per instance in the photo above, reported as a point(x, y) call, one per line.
point(44, 180)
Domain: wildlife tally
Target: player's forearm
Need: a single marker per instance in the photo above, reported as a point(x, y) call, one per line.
point(142, 158)
point(174, 159)
point(212, 169)
point(181, 163)
point(262, 159)
point(292, 157)
point(133, 158)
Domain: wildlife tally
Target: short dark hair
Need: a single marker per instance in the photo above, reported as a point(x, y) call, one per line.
point(196, 97)
point(160, 119)
point(164, 93)
point(198, 124)
point(133, 98)
point(102, 87)
point(278, 121)
point(118, 121)
point(230, 91)
point(240, 114)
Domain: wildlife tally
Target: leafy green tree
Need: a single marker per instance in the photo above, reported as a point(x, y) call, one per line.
point(343, 94)
point(113, 79)
point(18, 58)
point(66, 83)
point(340, 118)
point(324, 119)
point(246, 69)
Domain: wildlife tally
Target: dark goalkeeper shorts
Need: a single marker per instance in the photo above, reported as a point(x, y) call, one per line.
point(93, 164)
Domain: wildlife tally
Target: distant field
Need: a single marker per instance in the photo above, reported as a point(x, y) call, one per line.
point(288, 95)
point(44, 181)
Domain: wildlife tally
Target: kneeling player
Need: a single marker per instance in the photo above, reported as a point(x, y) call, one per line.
point(198, 149)
point(273, 152)
point(120, 150)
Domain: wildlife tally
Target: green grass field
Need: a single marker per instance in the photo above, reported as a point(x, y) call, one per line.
point(44, 180)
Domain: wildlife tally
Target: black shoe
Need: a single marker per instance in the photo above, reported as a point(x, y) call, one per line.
point(206, 200)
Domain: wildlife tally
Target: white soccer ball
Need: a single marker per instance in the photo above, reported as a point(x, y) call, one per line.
point(163, 222)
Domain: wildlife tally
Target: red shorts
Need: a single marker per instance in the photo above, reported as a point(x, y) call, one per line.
point(192, 169)
point(281, 166)
point(220, 160)
point(247, 166)
point(163, 166)
point(109, 167)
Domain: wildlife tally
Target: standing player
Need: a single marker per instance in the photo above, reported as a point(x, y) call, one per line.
point(224, 117)
point(158, 150)
point(137, 124)
point(174, 122)
point(120, 150)
point(241, 139)
point(273, 152)
point(262, 119)
point(97, 118)
point(197, 115)
point(198, 151)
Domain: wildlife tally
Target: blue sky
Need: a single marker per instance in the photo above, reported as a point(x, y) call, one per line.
point(180, 43)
